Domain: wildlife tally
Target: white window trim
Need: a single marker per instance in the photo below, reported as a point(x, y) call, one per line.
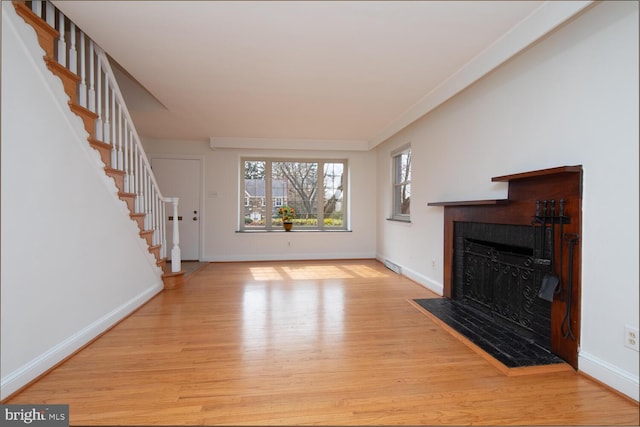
point(320, 200)
point(395, 215)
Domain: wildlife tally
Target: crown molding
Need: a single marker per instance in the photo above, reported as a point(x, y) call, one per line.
point(540, 22)
point(288, 144)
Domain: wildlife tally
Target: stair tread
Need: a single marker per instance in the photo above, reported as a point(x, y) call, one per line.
point(52, 63)
point(84, 110)
point(99, 143)
point(114, 171)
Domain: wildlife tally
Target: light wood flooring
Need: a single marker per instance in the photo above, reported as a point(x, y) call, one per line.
point(323, 342)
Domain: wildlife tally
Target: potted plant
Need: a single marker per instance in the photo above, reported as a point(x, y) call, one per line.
point(287, 213)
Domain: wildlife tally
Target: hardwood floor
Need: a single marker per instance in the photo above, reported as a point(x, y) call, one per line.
point(322, 342)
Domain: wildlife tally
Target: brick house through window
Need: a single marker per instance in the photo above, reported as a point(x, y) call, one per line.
point(255, 198)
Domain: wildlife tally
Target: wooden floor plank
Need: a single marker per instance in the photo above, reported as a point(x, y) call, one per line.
point(322, 342)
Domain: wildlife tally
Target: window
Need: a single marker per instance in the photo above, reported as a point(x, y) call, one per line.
point(316, 189)
point(401, 166)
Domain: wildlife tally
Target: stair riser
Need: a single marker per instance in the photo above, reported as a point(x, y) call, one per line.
point(105, 153)
point(69, 80)
point(155, 251)
point(129, 199)
point(88, 118)
point(148, 236)
point(140, 221)
point(118, 177)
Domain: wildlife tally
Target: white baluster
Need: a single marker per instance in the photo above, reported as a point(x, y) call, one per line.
point(155, 217)
point(127, 143)
point(175, 250)
point(51, 14)
point(152, 220)
point(114, 132)
point(83, 71)
point(92, 90)
point(99, 124)
point(130, 151)
point(120, 130)
point(136, 179)
point(147, 207)
point(36, 7)
point(73, 54)
point(163, 230)
point(62, 45)
point(140, 184)
point(107, 125)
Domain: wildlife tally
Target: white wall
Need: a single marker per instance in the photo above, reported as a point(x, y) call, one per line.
point(222, 242)
point(72, 261)
point(570, 99)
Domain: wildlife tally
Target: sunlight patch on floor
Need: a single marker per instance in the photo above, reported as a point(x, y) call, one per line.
point(265, 273)
point(315, 272)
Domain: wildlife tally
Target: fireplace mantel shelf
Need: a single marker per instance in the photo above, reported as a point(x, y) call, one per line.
point(536, 174)
point(508, 178)
point(471, 203)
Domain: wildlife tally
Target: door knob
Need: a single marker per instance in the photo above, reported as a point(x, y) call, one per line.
point(195, 218)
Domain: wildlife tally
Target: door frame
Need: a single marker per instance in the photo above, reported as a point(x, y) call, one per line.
point(201, 210)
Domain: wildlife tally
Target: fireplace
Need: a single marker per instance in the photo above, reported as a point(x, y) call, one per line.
point(500, 254)
point(495, 271)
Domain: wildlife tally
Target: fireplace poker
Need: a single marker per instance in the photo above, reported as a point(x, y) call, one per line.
point(550, 279)
point(559, 290)
point(544, 225)
point(573, 239)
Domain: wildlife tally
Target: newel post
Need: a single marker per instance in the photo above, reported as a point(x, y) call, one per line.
point(175, 251)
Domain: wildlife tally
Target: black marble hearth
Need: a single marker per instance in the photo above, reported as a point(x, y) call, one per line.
point(512, 349)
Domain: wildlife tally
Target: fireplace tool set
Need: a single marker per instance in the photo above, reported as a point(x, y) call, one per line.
point(545, 221)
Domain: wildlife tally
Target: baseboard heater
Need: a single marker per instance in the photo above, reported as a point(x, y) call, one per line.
point(393, 267)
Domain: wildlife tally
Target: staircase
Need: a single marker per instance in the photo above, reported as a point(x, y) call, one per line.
point(94, 96)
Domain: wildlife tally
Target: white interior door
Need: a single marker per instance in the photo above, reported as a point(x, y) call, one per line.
point(181, 178)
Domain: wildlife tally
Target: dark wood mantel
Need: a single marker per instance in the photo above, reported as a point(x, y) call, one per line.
point(525, 189)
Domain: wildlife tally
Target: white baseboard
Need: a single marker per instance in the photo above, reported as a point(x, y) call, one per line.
point(623, 381)
point(421, 279)
point(289, 257)
point(17, 379)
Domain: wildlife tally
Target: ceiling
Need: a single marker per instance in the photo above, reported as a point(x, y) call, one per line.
point(310, 74)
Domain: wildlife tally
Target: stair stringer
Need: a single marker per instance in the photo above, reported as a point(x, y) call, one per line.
point(73, 263)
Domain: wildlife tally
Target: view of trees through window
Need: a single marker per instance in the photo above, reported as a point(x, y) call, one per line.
point(402, 185)
point(314, 188)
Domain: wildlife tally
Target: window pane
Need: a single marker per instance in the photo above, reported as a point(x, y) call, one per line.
point(279, 191)
point(333, 194)
point(254, 193)
point(402, 184)
point(297, 182)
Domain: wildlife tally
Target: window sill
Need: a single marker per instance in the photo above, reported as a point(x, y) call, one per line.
point(294, 230)
point(406, 221)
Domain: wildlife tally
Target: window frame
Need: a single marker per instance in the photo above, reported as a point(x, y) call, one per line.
point(397, 185)
point(270, 200)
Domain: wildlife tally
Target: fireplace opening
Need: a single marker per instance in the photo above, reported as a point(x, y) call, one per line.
point(496, 272)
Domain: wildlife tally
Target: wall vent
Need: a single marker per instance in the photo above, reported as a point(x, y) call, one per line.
point(393, 267)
